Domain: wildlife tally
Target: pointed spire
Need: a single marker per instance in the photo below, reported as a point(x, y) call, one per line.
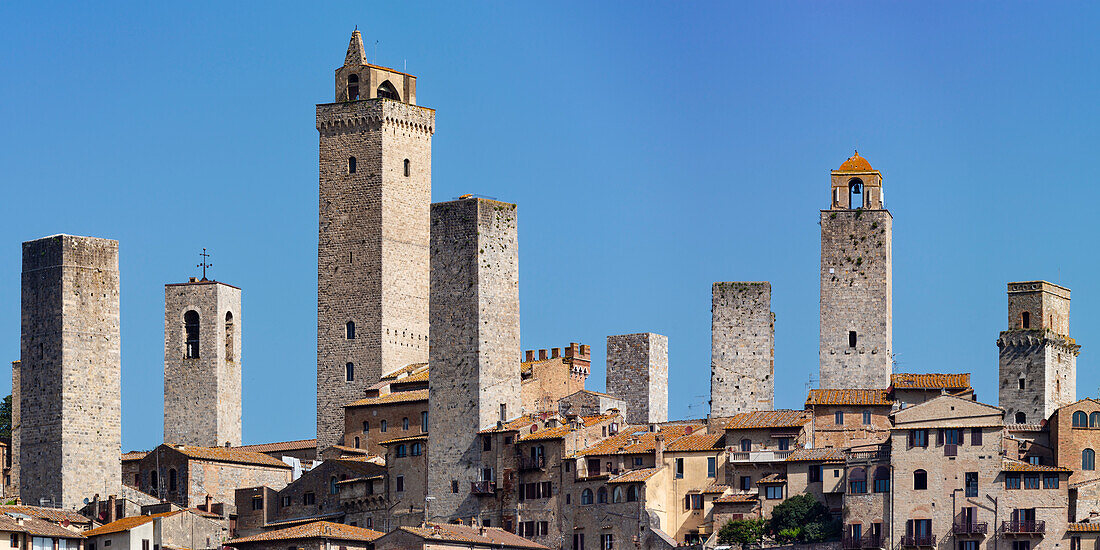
point(356, 55)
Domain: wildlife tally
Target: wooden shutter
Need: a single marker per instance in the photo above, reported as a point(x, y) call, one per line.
point(976, 438)
point(939, 437)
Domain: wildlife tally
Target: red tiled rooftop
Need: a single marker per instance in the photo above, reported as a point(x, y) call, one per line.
point(855, 163)
point(930, 381)
point(391, 398)
point(296, 445)
point(494, 537)
point(782, 418)
point(849, 397)
point(635, 476)
point(314, 530)
point(1010, 465)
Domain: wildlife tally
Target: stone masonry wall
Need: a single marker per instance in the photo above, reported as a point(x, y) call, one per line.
point(742, 348)
point(475, 378)
point(70, 412)
point(856, 296)
point(372, 256)
point(202, 396)
point(637, 373)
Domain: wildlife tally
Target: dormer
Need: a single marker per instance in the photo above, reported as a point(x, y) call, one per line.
point(357, 80)
point(856, 185)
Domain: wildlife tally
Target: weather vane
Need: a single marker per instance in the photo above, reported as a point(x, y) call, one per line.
point(204, 264)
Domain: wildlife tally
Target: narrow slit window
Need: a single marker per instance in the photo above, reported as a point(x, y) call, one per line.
point(349, 372)
point(852, 338)
point(408, 168)
point(352, 165)
point(349, 330)
point(191, 330)
point(229, 344)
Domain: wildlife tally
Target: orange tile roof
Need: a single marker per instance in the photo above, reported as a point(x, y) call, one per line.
point(635, 476)
point(49, 514)
point(514, 425)
point(773, 478)
point(782, 418)
point(638, 440)
point(557, 432)
point(1011, 465)
point(314, 530)
point(592, 420)
point(417, 377)
point(125, 524)
point(223, 454)
point(930, 381)
point(493, 537)
point(419, 437)
point(37, 527)
point(855, 163)
point(134, 455)
point(697, 442)
point(296, 445)
point(353, 450)
point(715, 489)
point(391, 398)
point(815, 455)
point(1083, 527)
point(409, 369)
point(849, 397)
point(738, 498)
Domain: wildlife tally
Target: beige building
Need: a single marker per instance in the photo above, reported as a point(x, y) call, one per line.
point(317, 535)
point(439, 536)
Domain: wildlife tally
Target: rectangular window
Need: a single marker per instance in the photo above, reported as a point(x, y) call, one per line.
point(882, 485)
point(309, 498)
point(487, 443)
point(454, 486)
point(400, 484)
point(1012, 481)
point(857, 486)
point(257, 503)
point(144, 544)
point(1050, 481)
point(696, 502)
point(918, 438)
point(15, 540)
point(285, 501)
point(679, 468)
point(1036, 460)
point(366, 426)
point(383, 426)
point(851, 338)
point(544, 528)
point(953, 436)
point(1031, 481)
point(971, 484)
point(607, 542)
point(637, 462)
point(968, 545)
point(746, 483)
point(784, 443)
point(1021, 545)
point(424, 421)
point(815, 473)
point(349, 372)
point(866, 418)
point(711, 466)
point(578, 541)
point(838, 418)
point(773, 492)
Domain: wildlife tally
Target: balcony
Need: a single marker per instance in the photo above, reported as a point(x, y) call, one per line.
point(972, 528)
point(913, 541)
point(483, 487)
point(759, 456)
point(1024, 527)
point(866, 541)
point(531, 463)
point(868, 456)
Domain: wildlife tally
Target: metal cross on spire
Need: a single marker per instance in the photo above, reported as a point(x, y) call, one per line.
point(204, 264)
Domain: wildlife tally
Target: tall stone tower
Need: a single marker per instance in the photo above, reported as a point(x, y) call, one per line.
point(1038, 359)
point(475, 375)
point(202, 363)
point(637, 373)
point(742, 348)
point(69, 375)
point(372, 249)
point(856, 349)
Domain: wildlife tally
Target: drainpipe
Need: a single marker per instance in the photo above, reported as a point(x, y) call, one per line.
point(996, 506)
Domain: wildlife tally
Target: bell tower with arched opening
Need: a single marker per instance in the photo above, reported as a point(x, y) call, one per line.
point(375, 174)
point(856, 280)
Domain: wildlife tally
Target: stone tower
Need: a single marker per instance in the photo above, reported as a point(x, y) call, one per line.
point(372, 250)
point(69, 374)
point(856, 281)
point(742, 348)
point(202, 363)
point(1038, 359)
point(475, 375)
point(637, 373)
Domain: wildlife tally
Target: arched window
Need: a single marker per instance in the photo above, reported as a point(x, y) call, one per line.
point(857, 481)
point(332, 485)
point(191, 332)
point(855, 193)
point(356, 442)
point(405, 423)
point(352, 165)
point(601, 496)
point(1021, 418)
point(172, 479)
point(617, 494)
point(920, 480)
point(1025, 320)
point(586, 496)
point(1088, 459)
point(153, 479)
point(349, 372)
point(1080, 419)
point(867, 417)
point(349, 330)
point(353, 87)
point(387, 91)
point(229, 344)
point(632, 493)
point(1094, 420)
point(408, 168)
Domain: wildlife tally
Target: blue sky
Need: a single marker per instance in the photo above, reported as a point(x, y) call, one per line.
point(653, 148)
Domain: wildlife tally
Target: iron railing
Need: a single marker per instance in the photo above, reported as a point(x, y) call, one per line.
point(483, 487)
point(1024, 527)
point(918, 540)
point(970, 528)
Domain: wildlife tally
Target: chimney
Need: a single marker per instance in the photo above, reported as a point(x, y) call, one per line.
point(542, 355)
point(530, 355)
point(571, 350)
point(658, 449)
point(555, 353)
point(209, 503)
point(111, 508)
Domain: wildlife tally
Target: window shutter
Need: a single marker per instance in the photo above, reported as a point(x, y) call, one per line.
point(687, 502)
point(939, 437)
point(909, 527)
point(912, 438)
point(976, 436)
point(962, 436)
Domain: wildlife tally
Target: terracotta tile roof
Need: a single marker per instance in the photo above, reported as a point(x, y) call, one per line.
point(855, 163)
point(420, 437)
point(772, 478)
point(1011, 465)
point(592, 420)
point(1025, 427)
point(638, 440)
point(514, 425)
point(296, 445)
point(223, 454)
point(49, 514)
point(715, 489)
point(635, 476)
point(134, 455)
point(493, 537)
point(557, 432)
point(1083, 527)
point(391, 399)
point(815, 455)
point(125, 524)
point(930, 381)
point(37, 527)
point(782, 418)
point(352, 450)
point(409, 369)
point(738, 498)
point(697, 442)
point(303, 519)
point(849, 397)
point(415, 378)
point(314, 530)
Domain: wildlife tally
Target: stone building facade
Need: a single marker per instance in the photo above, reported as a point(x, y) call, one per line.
point(69, 434)
point(637, 373)
point(546, 380)
point(186, 475)
point(202, 363)
point(372, 255)
point(474, 382)
point(1038, 358)
point(856, 281)
point(742, 348)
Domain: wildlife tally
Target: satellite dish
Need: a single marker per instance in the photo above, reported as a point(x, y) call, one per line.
point(86, 500)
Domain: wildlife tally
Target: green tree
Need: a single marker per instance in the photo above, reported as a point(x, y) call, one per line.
point(741, 531)
point(803, 518)
point(5, 418)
